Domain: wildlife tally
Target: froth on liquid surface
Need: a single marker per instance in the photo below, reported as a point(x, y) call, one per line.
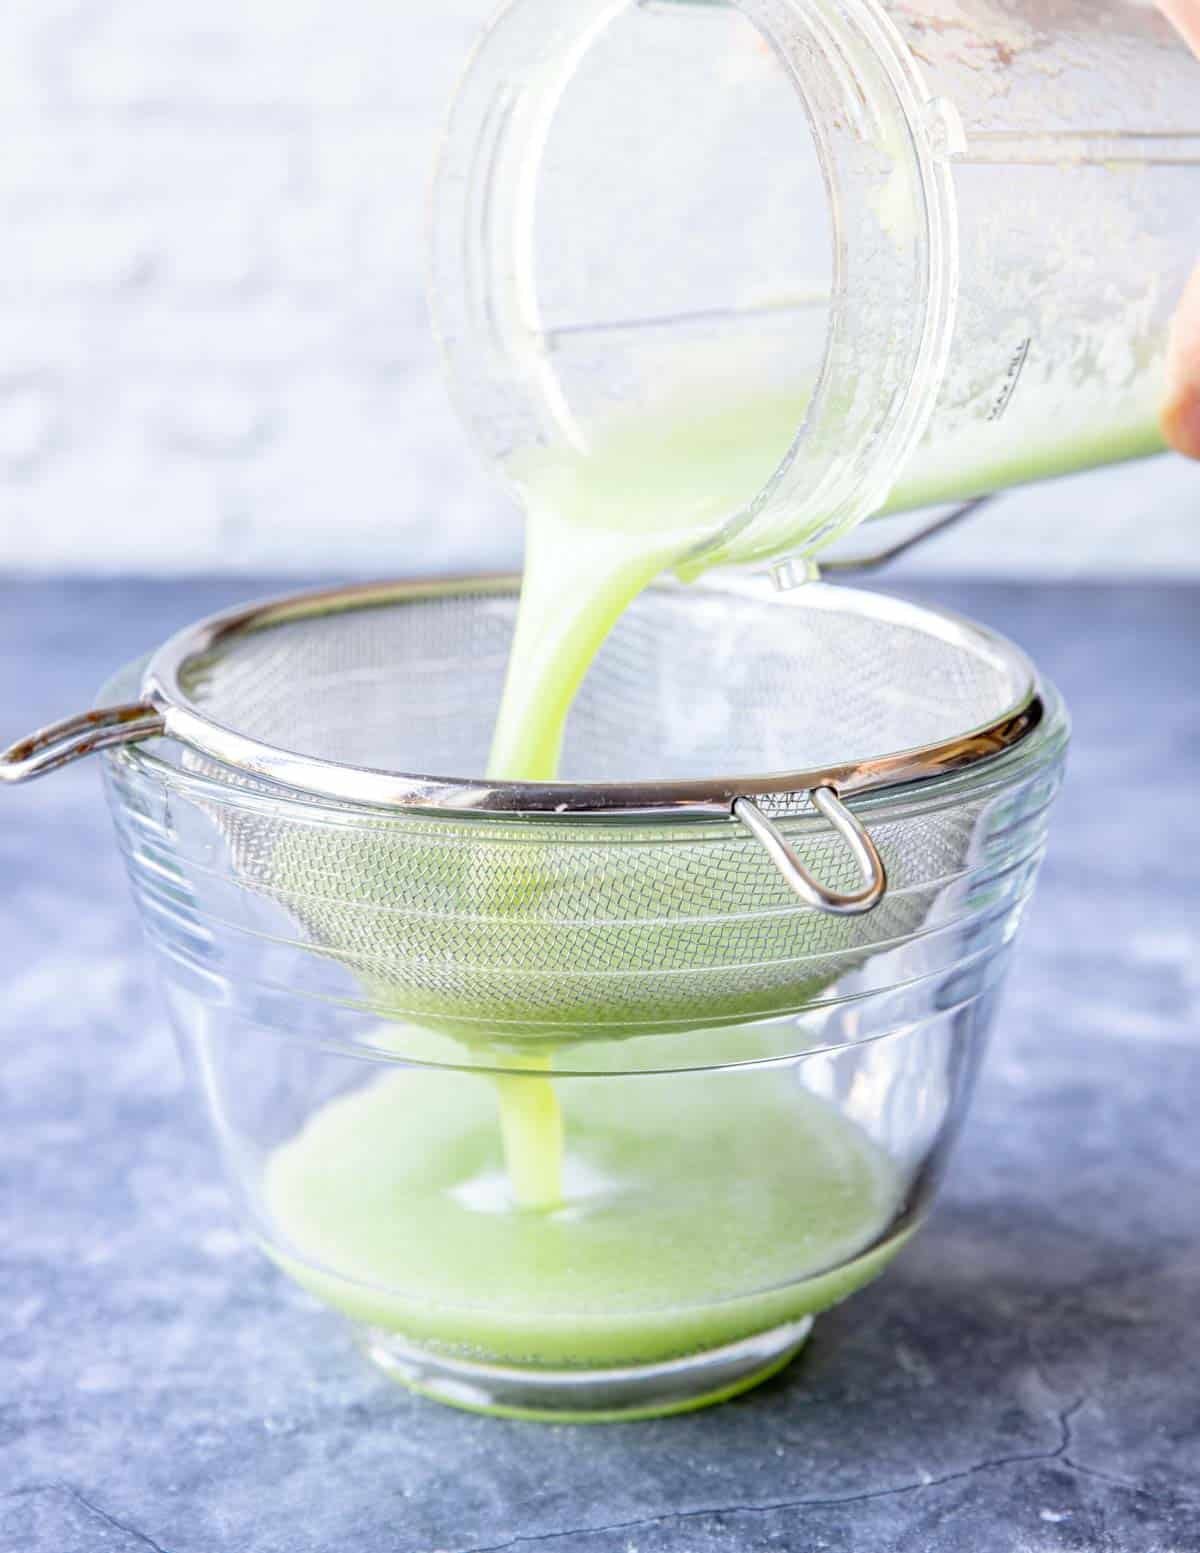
point(695, 1212)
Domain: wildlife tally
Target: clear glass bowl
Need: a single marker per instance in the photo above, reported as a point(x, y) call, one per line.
point(591, 1220)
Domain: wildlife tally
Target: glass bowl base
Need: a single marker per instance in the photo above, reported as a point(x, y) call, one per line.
point(586, 1396)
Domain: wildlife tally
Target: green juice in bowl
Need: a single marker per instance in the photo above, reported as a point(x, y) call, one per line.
point(685, 1223)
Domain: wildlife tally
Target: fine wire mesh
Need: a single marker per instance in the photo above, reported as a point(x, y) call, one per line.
point(513, 928)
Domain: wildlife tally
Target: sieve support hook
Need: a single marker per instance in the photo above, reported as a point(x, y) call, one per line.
point(793, 872)
point(73, 738)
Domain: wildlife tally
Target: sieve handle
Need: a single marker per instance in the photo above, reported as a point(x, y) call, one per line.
point(866, 854)
point(61, 743)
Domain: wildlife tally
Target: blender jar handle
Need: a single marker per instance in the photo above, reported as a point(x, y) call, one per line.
point(797, 877)
point(74, 737)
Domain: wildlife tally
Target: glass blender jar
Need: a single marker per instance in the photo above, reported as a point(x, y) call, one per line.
point(896, 253)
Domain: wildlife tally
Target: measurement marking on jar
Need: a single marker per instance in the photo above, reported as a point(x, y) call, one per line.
point(1012, 376)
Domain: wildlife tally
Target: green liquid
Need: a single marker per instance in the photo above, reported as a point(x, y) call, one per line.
point(698, 1211)
point(602, 526)
point(599, 529)
point(975, 467)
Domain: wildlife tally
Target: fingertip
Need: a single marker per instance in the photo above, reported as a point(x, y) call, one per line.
point(1181, 414)
point(1181, 422)
point(1186, 16)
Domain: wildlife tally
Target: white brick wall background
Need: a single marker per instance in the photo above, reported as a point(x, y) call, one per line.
point(214, 352)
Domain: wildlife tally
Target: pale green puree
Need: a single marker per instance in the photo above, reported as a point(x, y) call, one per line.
point(686, 1222)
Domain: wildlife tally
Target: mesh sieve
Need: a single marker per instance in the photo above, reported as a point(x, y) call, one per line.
point(691, 683)
point(623, 896)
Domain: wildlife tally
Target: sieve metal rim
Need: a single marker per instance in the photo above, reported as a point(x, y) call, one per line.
point(167, 710)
